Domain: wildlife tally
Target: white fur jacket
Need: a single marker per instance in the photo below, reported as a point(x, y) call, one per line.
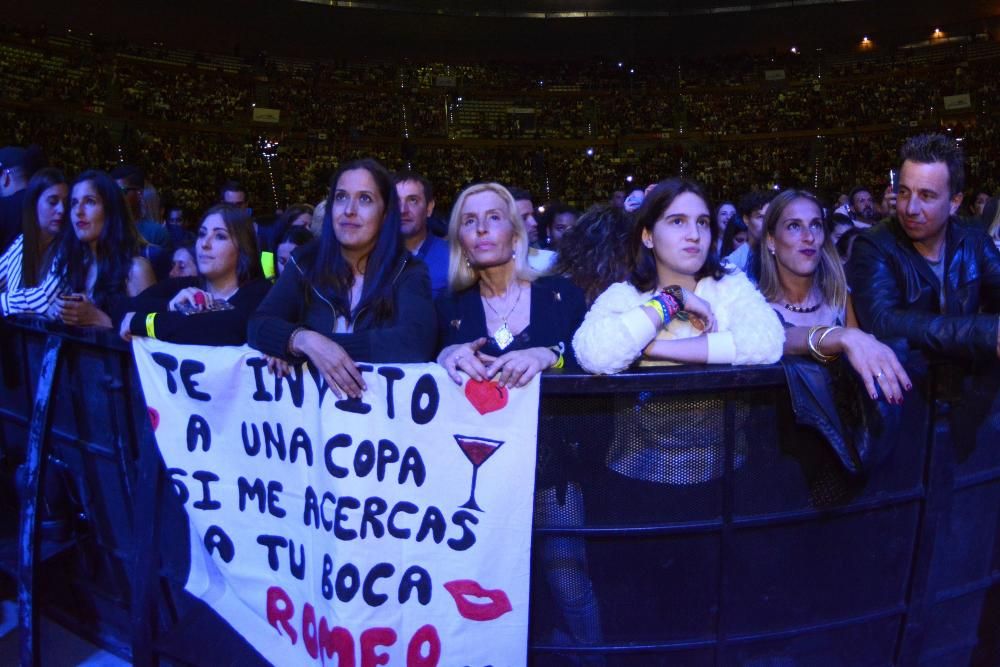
point(616, 330)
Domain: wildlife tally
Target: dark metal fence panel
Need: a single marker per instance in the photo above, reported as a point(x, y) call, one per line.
point(682, 517)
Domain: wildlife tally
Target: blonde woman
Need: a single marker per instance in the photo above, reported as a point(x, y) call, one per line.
point(803, 280)
point(500, 320)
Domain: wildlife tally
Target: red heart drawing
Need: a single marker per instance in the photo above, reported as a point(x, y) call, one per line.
point(486, 396)
point(154, 417)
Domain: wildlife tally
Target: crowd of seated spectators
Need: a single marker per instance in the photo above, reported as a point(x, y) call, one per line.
point(698, 118)
point(173, 94)
point(725, 96)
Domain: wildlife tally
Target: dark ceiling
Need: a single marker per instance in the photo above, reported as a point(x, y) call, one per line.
point(554, 9)
point(451, 30)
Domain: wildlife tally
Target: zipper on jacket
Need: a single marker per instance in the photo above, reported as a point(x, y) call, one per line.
point(327, 301)
point(403, 264)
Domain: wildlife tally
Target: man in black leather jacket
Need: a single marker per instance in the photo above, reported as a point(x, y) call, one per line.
point(926, 276)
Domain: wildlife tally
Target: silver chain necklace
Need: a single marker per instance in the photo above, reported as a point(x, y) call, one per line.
point(503, 335)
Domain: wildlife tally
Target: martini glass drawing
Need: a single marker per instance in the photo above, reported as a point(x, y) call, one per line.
point(477, 450)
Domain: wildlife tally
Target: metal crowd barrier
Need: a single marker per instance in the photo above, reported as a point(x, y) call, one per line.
point(683, 517)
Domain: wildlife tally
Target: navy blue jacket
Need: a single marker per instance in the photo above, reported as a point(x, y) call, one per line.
point(407, 337)
point(557, 309)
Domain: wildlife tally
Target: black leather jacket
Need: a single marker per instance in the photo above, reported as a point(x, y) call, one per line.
point(896, 294)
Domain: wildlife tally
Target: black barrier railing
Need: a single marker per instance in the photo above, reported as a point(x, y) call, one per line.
point(682, 517)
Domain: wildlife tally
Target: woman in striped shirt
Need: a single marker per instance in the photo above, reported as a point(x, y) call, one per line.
point(27, 281)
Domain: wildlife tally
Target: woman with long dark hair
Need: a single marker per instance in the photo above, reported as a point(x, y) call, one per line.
point(724, 213)
point(27, 281)
point(353, 295)
point(214, 306)
point(680, 304)
point(100, 258)
point(735, 235)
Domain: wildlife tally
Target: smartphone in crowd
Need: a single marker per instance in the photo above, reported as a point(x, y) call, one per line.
point(191, 309)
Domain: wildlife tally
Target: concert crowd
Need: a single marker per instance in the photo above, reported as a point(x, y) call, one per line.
point(174, 217)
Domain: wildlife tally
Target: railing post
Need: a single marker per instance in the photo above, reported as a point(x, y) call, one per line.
point(939, 478)
point(145, 540)
point(28, 551)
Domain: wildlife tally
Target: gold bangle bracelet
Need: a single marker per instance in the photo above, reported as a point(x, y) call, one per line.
point(822, 337)
point(814, 350)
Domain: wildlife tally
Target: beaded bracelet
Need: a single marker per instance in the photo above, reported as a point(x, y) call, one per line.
point(291, 341)
point(672, 304)
point(665, 305)
point(677, 292)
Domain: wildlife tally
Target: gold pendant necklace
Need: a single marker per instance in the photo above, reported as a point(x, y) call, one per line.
point(503, 335)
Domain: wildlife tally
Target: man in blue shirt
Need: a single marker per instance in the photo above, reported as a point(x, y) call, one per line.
point(416, 204)
point(752, 207)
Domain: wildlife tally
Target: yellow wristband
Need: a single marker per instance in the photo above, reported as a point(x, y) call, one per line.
point(558, 351)
point(267, 264)
point(150, 331)
point(658, 307)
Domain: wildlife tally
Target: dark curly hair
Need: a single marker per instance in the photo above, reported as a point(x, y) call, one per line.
point(597, 250)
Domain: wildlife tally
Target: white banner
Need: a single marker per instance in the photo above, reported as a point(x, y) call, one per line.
point(389, 530)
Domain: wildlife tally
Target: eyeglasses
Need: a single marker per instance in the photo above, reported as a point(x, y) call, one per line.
point(130, 189)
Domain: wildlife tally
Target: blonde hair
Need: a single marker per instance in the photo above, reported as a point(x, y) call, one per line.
point(461, 274)
point(829, 274)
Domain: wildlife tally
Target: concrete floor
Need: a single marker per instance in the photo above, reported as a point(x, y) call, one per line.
point(59, 647)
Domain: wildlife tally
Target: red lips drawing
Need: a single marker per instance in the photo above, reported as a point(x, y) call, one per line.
point(464, 589)
point(486, 396)
point(154, 417)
